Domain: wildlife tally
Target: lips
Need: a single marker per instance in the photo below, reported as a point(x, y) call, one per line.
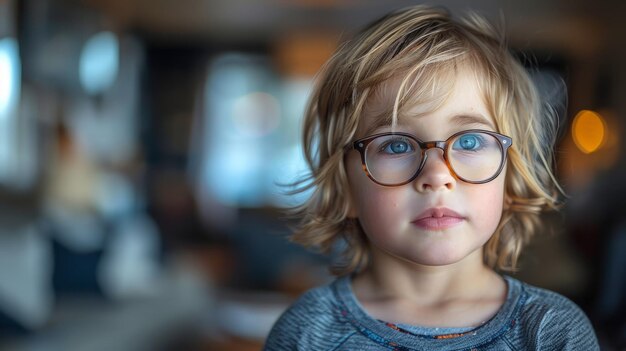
point(438, 219)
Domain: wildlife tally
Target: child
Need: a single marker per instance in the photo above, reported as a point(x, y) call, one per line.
point(431, 158)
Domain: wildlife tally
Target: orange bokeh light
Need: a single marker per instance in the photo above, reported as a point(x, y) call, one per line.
point(588, 131)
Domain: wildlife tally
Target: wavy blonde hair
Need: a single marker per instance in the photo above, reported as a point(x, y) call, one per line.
point(422, 45)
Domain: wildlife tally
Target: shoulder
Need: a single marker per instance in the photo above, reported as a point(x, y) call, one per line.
point(552, 320)
point(312, 321)
point(315, 302)
point(546, 305)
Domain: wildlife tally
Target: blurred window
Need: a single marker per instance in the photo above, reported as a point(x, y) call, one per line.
point(11, 145)
point(251, 141)
point(99, 62)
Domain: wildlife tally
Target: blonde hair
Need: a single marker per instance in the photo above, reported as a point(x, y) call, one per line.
point(424, 44)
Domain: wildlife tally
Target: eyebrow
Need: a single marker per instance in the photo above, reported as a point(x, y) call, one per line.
point(382, 120)
point(465, 119)
point(459, 120)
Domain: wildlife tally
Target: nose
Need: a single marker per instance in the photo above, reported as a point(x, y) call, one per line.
point(436, 175)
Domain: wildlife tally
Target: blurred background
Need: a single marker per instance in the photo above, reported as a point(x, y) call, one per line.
point(142, 143)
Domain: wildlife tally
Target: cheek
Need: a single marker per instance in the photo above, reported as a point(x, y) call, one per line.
point(486, 203)
point(376, 207)
point(382, 220)
point(381, 206)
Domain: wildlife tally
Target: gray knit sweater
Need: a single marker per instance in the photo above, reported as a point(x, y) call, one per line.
point(330, 318)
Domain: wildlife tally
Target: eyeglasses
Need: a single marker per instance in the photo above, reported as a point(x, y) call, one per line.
point(473, 156)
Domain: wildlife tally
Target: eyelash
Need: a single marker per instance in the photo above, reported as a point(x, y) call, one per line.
point(384, 146)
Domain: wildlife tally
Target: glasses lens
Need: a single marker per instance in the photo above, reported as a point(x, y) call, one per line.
point(392, 159)
point(475, 156)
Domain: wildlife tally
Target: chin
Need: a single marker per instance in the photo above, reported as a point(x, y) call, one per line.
point(440, 258)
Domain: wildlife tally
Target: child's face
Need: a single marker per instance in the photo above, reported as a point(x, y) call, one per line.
point(389, 215)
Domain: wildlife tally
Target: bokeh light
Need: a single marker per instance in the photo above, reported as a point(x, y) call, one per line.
point(99, 62)
point(256, 114)
point(9, 75)
point(588, 131)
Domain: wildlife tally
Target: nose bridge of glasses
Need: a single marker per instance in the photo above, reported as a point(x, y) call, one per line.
point(428, 145)
point(433, 144)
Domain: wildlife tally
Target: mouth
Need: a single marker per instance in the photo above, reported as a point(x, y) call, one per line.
point(438, 219)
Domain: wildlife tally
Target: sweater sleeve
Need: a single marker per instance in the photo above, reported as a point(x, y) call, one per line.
point(566, 327)
point(308, 324)
point(284, 334)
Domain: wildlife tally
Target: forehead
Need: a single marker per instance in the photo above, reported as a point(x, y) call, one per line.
point(451, 97)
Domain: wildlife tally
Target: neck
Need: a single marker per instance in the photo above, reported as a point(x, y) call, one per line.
point(463, 294)
point(389, 278)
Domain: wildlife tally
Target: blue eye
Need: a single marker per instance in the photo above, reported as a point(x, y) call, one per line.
point(468, 142)
point(397, 147)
